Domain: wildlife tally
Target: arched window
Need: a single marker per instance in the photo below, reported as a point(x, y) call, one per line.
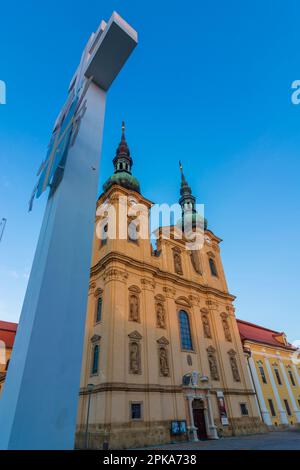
point(185, 331)
point(213, 268)
point(99, 310)
point(95, 359)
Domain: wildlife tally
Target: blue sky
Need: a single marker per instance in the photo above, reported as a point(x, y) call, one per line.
point(210, 84)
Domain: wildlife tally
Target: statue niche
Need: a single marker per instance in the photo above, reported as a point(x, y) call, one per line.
point(134, 358)
point(160, 315)
point(163, 362)
point(226, 329)
point(206, 326)
point(213, 364)
point(177, 261)
point(134, 308)
point(234, 366)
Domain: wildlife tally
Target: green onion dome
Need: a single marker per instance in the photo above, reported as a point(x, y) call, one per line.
point(122, 178)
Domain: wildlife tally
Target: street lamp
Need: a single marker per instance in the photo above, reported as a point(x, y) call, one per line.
point(90, 388)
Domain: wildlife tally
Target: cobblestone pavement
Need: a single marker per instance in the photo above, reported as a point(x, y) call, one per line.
point(280, 440)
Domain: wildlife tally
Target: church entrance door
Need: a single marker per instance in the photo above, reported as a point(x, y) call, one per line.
point(199, 419)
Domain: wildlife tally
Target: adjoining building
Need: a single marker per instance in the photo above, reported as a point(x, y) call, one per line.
point(274, 365)
point(163, 358)
point(7, 336)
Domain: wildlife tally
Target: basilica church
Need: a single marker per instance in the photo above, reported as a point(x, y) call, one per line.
point(163, 359)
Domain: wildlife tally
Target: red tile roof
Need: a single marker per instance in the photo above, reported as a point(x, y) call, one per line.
point(8, 333)
point(259, 334)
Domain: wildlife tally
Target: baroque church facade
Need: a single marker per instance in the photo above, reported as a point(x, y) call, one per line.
point(163, 358)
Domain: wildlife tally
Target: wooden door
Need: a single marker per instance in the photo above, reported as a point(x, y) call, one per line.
point(199, 421)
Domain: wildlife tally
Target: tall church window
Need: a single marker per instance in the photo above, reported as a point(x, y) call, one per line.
point(99, 310)
point(292, 378)
point(271, 406)
point(95, 359)
point(263, 375)
point(278, 376)
point(185, 331)
point(213, 268)
point(287, 407)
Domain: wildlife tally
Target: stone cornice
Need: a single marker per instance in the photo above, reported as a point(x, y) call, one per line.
point(115, 256)
point(126, 387)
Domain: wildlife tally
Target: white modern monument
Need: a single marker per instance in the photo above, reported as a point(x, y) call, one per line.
point(39, 401)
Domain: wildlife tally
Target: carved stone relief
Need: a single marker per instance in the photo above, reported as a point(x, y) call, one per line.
point(213, 366)
point(206, 326)
point(177, 261)
point(163, 362)
point(226, 327)
point(134, 308)
point(234, 366)
point(135, 353)
point(160, 315)
point(134, 303)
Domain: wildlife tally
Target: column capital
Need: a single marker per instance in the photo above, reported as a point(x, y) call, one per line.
point(148, 283)
point(170, 292)
point(114, 274)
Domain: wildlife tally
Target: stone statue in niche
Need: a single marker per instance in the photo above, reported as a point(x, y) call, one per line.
point(213, 366)
point(163, 362)
point(206, 326)
point(196, 261)
point(134, 313)
point(134, 358)
point(234, 368)
point(226, 329)
point(177, 262)
point(160, 315)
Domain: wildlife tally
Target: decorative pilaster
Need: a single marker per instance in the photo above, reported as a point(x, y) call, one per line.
point(149, 323)
point(290, 392)
point(283, 417)
point(192, 423)
point(212, 427)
